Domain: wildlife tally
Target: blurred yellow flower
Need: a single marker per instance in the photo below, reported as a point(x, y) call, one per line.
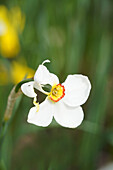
point(4, 14)
point(10, 46)
point(19, 71)
point(4, 78)
point(11, 24)
point(17, 18)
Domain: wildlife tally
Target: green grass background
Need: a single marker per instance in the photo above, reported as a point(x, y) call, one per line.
point(77, 36)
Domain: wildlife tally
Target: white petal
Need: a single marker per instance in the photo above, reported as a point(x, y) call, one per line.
point(39, 87)
point(43, 76)
point(46, 61)
point(77, 89)
point(44, 116)
point(53, 79)
point(28, 90)
point(67, 116)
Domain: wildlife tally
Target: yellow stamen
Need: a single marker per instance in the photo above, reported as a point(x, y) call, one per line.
point(36, 104)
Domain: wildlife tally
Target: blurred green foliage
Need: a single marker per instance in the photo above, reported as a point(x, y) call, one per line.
point(77, 36)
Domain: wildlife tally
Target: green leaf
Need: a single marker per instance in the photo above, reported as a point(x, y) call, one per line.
point(22, 82)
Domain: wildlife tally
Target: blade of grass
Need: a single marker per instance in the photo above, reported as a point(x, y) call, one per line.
point(91, 143)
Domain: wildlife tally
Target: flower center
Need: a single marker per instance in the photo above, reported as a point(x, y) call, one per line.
point(57, 92)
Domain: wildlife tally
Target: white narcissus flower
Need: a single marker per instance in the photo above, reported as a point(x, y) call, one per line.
point(63, 102)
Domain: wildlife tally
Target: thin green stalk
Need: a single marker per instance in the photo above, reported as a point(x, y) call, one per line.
point(10, 108)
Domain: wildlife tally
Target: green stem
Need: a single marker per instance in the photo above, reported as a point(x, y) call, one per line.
point(2, 135)
point(14, 94)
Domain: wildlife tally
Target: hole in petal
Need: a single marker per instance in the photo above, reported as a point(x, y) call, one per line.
point(47, 87)
point(40, 96)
